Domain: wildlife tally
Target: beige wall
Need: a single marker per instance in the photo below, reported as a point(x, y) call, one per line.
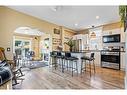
point(67, 34)
point(106, 27)
point(10, 20)
point(111, 26)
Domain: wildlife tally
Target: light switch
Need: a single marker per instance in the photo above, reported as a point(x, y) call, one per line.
point(8, 49)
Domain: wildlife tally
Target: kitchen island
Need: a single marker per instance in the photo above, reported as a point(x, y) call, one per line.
point(77, 54)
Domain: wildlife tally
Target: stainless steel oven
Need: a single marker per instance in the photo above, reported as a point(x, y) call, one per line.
point(110, 59)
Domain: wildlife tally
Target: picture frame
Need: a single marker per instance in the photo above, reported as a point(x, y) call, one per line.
point(56, 31)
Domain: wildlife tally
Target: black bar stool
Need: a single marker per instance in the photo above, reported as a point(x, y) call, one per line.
point(53, 59)
point(60, 58)
point(72, 59)
point(86, 58)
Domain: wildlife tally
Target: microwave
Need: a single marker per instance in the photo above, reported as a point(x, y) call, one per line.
point(111, 38)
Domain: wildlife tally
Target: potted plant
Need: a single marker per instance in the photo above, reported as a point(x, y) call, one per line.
point(123, 15)
point(70, 43)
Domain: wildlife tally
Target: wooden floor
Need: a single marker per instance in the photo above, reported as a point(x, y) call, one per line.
point(47, 78)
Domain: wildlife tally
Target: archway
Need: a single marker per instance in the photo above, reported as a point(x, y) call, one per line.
point(28, 39)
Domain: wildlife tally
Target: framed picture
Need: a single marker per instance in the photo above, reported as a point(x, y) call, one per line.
point(56, 31)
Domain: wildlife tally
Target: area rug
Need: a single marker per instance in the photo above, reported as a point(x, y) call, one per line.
point(36, 64)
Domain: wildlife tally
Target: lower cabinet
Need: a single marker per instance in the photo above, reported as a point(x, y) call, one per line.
point(97, 59)
point(123, 60)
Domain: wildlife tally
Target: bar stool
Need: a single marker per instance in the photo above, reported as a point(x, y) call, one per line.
point(60, 58)
point(73, 65)
point(86, 58)
point(53, 58)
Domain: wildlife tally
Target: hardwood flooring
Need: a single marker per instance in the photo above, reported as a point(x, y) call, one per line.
point(48, 78)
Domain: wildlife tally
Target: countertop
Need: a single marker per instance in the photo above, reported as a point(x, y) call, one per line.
point(87, 51)
point(73, 51)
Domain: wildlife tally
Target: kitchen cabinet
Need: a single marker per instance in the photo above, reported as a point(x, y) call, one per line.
point(111, 32)
point(123, 60)
point(83, 37)
point(97, 59)
point(82, 40)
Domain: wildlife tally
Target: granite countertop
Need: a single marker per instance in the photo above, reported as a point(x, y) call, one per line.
point(73, 51)
point(87, 51)
point(112, 51)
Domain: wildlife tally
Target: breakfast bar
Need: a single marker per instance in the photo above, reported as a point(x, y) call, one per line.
point(77, 54)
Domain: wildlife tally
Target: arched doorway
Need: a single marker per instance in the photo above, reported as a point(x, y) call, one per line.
point(26, 39)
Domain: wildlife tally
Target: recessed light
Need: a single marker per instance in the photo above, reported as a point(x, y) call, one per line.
point(97, 17)
point(76, 24)
point(56, 8)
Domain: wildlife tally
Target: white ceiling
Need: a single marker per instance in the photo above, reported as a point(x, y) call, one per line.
point(68, 16)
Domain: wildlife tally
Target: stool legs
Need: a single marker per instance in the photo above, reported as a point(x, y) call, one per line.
point(90, 68)
point(89, 65)
point(94, 66)
point(82, 66)
point(71, 65)
point(62, 66)
point(72, 68)
point(55, 63)
point(77, 67)
point(85, 65)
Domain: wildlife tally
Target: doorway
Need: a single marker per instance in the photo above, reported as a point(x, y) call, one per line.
point(21, 47)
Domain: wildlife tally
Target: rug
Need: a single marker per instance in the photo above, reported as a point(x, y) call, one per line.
point(36, 64)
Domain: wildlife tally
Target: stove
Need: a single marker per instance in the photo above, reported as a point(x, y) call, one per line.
point(110, 58)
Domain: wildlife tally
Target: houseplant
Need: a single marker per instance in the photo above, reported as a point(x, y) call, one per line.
point(123, 15)
point(70, 43)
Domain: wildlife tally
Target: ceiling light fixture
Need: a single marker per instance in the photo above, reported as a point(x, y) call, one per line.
point(97, 17)
point(76, 24)
point(56, 8)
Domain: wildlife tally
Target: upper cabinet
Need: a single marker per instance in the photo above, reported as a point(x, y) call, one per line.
point(114, 28)
point(83, 37)
point(113, 31)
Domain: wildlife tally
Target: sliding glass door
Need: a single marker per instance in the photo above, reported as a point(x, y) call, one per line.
point(21, 47)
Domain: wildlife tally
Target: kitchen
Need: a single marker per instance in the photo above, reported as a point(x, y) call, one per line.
point(102, 45)
point(106, 41)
